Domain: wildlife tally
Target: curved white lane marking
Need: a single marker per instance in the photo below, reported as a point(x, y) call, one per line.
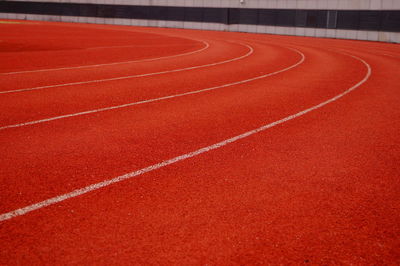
point(393, 56)
point(156, 99)
point(81, 191)
point(251, 50)
point(206, 46)
point(128, 46)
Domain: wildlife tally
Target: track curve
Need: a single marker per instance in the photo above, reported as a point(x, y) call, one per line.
point(320, 185)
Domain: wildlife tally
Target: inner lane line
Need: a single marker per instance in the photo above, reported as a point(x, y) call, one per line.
point(206, 46)
point(127, 46)
point(158, 99)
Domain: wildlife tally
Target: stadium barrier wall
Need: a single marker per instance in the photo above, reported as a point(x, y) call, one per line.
point(374, 20)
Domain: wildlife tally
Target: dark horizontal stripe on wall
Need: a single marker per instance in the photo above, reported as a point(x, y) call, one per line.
point(332, 19)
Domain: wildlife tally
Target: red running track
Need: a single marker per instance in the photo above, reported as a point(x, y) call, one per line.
point(167, 146)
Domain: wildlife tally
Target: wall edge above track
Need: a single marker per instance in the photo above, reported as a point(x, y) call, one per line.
point(363, 24)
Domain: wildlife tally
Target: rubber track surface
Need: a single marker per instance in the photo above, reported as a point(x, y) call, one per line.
point(321, 187)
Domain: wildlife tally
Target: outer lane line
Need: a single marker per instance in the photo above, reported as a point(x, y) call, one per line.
point(251, 50)
point(156, 99)
point(207, 45)
point(81, 191)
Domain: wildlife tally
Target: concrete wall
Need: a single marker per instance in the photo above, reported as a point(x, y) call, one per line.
point(267, 4)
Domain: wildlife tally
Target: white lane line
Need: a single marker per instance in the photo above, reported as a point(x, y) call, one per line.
point(391, 55)
point(251, 50)
point(127, 46)
point(81, 191)
point(206, 46)
point(156, 99)
point(109, 47)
